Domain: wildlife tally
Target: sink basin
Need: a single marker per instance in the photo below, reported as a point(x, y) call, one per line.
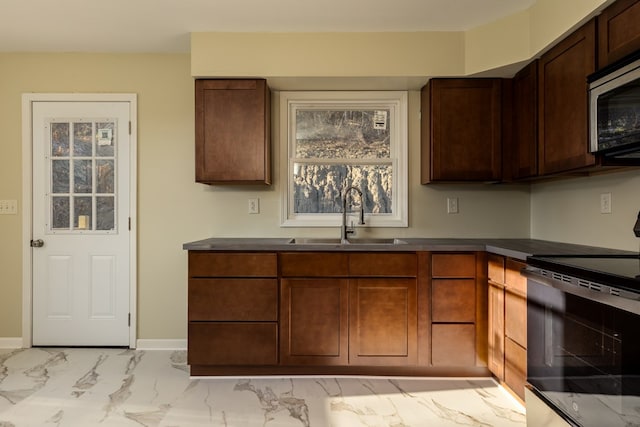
point(336, 241)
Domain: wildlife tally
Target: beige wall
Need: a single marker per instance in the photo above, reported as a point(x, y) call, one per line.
point(172, 208)
point(569, 210)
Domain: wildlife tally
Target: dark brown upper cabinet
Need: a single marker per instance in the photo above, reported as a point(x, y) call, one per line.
point(563, 102)
point(618, 31)
point(461, 137)
point(522, 158)
point(233, 143)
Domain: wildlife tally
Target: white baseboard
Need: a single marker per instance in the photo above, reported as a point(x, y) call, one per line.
point(11, 342)
point(161, 344)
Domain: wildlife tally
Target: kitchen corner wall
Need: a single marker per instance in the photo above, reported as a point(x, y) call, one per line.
point(569, 210)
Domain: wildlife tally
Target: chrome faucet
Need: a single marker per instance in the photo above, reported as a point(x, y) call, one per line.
point(345, 230)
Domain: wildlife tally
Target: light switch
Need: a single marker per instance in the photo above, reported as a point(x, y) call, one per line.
point(8, 207)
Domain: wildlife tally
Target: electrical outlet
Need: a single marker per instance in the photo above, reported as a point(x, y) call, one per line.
point(452, 205)
point(8, 207)
point(254, 206)
point(605, 203)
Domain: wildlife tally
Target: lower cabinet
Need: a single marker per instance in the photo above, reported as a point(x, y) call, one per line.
point(383, 322)
point(507, 335)
point(347, 320)
point(314, 322)
point(336, 312)
point(458, 310)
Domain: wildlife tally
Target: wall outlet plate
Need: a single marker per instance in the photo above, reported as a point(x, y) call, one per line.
point(254, 206)
point(452, 205)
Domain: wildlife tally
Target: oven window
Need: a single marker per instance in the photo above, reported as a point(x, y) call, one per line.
point(583, 357)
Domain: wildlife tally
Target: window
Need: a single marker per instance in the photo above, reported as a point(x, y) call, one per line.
point(335, 140)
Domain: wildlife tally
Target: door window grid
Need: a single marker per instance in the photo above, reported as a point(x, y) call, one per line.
point(82, 165)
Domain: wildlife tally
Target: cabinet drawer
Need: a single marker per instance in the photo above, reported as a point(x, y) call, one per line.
point(515, 367)
point(383, 264)
point(233, 299)
point(513, 279)
point(453, 265)
point(496, 268)
point(233, 343)
point(314, 264)
point(222, 264)
point(453, 300)
point(453, 345)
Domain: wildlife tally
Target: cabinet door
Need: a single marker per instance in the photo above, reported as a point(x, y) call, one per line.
point(496, 331)
point(515, 367)
point(314, 322)
point(515, 303)
point(563, 103)
point(232, 131)
point(523, 153)
point(461, 130)
point(383, 322)
point(618, 31)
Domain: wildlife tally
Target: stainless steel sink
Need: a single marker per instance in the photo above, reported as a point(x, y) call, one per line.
point(337, 241)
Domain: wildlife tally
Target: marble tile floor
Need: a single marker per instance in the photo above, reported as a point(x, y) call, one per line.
point(117, 387)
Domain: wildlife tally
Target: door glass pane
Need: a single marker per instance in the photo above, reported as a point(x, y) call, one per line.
point(60, 176)
point(82, 213)
point(105, 139)
point(105, 176)
point(60, 213)
point(82, 174)
point(82, 140)
point(81, 169)
point(106, 213)
point(59, 139)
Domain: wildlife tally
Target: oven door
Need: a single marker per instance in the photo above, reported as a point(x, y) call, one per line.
point(583, 356)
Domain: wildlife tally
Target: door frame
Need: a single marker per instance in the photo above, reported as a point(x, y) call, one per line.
point(27, 196)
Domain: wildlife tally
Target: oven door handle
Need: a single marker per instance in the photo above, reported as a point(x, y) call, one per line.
point(603, 294)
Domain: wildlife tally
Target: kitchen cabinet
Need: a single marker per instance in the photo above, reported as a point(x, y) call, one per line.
point(314, 309)
point(496, 316)
point(563, 103)
point(508, 322)
point(232, 131)
point(349, 309)
point(232, 306)
point(337, 312)
point(618, 31)
point(458, 310)
point(461, 137)
point(522, 157)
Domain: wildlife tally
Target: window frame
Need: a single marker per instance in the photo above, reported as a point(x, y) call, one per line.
point(396, 102)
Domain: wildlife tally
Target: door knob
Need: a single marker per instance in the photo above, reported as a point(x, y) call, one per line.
point(37, 243)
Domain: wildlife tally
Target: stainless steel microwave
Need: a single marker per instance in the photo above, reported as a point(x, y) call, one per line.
point(614, 111)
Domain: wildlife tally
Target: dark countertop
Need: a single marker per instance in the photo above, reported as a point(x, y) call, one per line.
point(514, 248)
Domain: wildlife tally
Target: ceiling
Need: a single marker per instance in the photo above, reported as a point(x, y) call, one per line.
point(165, 25)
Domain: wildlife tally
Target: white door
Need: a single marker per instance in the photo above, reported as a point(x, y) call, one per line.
point(80, 223)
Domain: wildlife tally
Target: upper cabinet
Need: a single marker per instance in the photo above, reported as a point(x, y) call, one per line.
point(618, 31)
point(563, 102)
point(522, 149)
point(233, 144)
point(461, 130)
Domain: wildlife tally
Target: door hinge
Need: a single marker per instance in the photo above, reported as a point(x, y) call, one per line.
point(129, 127)
point(129, 320)
point(129, 223)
